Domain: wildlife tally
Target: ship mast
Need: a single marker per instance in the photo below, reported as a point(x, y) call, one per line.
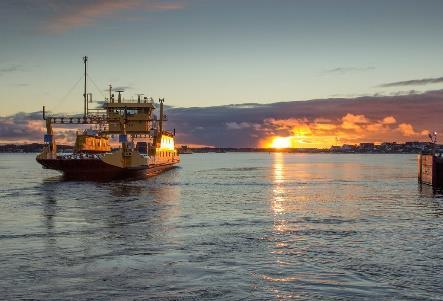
point(85, 59)
point(161, 100)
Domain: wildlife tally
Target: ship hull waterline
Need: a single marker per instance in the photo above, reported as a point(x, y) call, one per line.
point(96, 169)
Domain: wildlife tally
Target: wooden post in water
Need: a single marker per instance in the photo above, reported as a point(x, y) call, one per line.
point(430, 170)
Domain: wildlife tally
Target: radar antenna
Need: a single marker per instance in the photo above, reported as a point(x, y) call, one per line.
point(120, 91)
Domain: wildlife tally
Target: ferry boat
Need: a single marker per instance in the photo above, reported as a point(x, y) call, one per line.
point(145, 148)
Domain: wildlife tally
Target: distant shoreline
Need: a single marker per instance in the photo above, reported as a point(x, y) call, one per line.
point(363, 148)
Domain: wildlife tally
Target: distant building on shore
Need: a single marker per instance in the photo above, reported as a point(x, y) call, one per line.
point(385, 147)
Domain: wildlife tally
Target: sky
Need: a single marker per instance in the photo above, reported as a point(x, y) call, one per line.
point(211, 54)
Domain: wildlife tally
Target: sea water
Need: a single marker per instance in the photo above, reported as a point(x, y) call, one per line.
point(232, 226)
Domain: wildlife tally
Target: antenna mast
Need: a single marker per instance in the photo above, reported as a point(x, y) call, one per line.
point(85, 59)
point(161, 101)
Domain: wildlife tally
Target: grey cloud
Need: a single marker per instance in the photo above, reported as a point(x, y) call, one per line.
point(343, 70)
point(20, 126)
point(397, 93)
point(244, 126)
point(11, 69)
point(120, 88)
point(30, 127)
point(413, 82)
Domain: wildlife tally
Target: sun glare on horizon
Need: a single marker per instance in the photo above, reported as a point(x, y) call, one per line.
point(281, 142)
point(300, 140)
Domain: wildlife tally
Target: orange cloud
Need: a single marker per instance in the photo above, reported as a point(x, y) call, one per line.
point(76, 15)
point(355, 119)
point(408, 130)
point(389, 120)
point(349, 129)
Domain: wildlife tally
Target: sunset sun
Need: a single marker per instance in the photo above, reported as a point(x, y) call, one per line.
point(281, 142)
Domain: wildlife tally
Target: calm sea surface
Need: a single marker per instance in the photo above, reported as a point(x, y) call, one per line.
point(224, 226)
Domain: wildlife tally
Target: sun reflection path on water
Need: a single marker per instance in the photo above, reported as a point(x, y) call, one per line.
point(293, 205)
point(288, 199)
point(278, 189)
point(284, 226)
point(288, 186)
point(280, 195)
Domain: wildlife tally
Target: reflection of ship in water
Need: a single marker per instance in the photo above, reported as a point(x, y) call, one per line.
point(145, 147)
point(49, 203)
point(117, 207)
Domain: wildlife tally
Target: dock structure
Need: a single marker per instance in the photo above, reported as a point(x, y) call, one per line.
point(430, 169)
